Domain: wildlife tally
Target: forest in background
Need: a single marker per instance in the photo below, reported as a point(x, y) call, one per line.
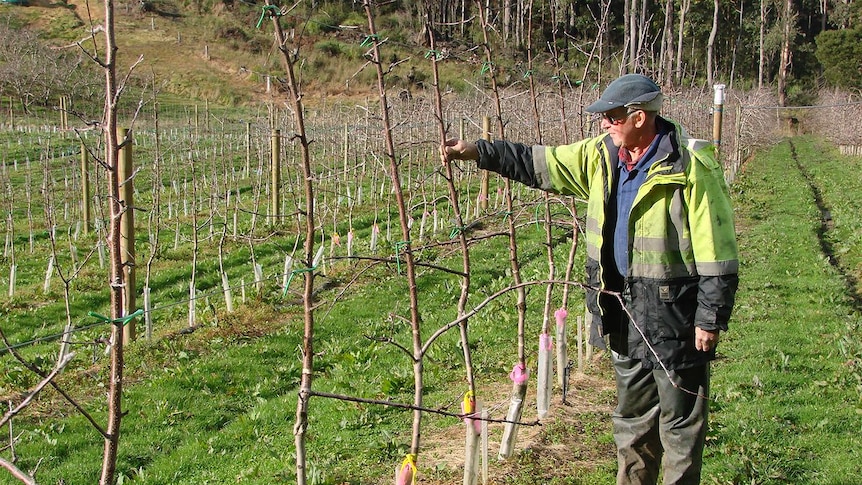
point(215, 49)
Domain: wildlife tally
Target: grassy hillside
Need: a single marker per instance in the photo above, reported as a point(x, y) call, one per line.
point(184, 53)
point(223, 53)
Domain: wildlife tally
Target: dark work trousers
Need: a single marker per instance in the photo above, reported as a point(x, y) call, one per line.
point(656, 423)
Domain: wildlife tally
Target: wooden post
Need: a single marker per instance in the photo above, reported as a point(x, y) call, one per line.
point(247, 149)
point(717, 114)
point(64, 119)
point(86, 202)
point(127, 230)
point(483, 190)
point(736, 161)
point(274, 192)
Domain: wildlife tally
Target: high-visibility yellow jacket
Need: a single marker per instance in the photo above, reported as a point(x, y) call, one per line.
point(683, 259)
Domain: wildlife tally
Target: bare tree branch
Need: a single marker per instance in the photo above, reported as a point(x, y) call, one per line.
point(36, 390)
point(56, 387)
point(394, 404)
point(22, 476)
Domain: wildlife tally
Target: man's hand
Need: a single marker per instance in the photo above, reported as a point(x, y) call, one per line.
point(458, 150)
point(705, 340)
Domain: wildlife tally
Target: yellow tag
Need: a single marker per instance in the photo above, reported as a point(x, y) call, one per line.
point(409, 464)
point(467, 406)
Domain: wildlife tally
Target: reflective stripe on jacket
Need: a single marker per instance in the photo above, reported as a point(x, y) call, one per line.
point(682, 244)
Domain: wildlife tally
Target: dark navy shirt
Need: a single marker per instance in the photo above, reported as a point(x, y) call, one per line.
point(628, 184)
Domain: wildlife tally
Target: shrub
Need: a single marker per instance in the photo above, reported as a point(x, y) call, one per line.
point(335, 48)
point(331, 48)
point(355, 19)
point(230, 32)
point(323, 23)
point(838, 52)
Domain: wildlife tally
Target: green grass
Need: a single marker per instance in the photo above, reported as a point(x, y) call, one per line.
point(841, 203)
point(204, 407)
point(217, 405)
point(787, 406)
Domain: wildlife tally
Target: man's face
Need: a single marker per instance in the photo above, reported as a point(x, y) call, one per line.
point(621, 124)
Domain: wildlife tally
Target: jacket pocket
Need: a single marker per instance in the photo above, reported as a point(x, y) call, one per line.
point(674, 311)
point(593, 285)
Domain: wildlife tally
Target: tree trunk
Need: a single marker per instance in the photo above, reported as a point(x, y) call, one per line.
point(643, 31)
point(603, 38)
point(739, 27)
point(301, 423)
point(762, 57)
point(666, 54)
point(786, 55)
point(507, 19)
point(710, 47)
point(112, 160)
point(824, 7)
point(683, 10)
point(463, 25)
point(631, 15)
point(418, 367)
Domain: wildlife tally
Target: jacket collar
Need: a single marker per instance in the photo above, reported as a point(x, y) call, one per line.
point(667, 151)
point(668, 148)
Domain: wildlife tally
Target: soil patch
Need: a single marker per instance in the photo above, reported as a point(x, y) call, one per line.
point(575, 437)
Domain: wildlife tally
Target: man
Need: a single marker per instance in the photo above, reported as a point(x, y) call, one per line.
point(660, 238)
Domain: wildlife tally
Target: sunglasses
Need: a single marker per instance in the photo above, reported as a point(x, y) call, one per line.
point(620, 119)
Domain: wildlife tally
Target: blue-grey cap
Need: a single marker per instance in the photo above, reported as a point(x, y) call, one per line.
point(630, 90)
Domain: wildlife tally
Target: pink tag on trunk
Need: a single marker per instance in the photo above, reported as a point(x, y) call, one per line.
point(561, 315)
point(519, 374)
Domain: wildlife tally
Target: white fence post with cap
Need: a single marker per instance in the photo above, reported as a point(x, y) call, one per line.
point(717, 111)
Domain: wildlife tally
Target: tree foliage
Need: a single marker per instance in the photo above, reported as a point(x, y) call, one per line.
point(666, 39)
point(642, 36)
point(840, 54)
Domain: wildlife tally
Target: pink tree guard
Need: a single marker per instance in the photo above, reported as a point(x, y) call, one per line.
point(519, 374)
point(561, 315)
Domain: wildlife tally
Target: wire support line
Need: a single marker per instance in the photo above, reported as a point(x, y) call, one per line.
point(47, 338)
point(399, 405)
point(202, 295)
point(9, 348)
point(837, 105)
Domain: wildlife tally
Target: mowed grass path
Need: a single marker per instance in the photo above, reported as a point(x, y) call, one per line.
point(787, 391)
